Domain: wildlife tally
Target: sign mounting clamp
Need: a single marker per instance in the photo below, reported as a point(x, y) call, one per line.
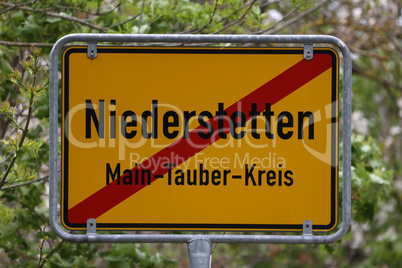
point(92, 50)
point(308, 51)
point(307, 228)
point(91, 226)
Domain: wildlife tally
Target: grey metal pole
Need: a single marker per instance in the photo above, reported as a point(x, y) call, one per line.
point(199, 253)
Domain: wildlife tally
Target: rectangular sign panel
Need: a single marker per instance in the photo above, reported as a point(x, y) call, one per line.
point(200, 139)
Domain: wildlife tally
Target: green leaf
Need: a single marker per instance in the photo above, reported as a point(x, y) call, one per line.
point(8, 231)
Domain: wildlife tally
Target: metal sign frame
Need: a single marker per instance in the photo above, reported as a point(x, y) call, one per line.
point(200, 242)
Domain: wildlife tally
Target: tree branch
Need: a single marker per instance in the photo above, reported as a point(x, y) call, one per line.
point(299, 17)
point(140, 20)
point(6, 159)
point(124, 22)
point(278, 22)
point(24, 133)
point(238, 20)
point(33, 211)
point(210, 20)
point(41, 258)
point(59, 245)
point(268, 3)
point(90, 13)
point(20, 145)
point(55, 15)
point(367, 53)
point(221, 20)
point(15, 6)
point(387, 84)
point(26, 183)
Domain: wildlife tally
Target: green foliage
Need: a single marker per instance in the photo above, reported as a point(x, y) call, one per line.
point(9, 112)
point(371, 181)
point(30, 90)
point(303, 4)
point(374, 239)
point(6, 214)
point(125, 255)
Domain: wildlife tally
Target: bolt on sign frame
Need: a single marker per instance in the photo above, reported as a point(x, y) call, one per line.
point(196, 240)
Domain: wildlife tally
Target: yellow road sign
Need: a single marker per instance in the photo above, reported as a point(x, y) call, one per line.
point(200, 139)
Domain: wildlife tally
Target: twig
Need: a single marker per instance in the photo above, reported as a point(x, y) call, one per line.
point(216, 244)
point(268, 3)
point(234, 12)
point(210, 20)
point(34, 212)
point(24, 44)
point(124, 22)
point(37, 166)
point(238, 20)
point(56, 15)
point(150, 24)
point(41, 248)
point(140, 20)
point(59, 245)
point(3, 180)
point(90, 13)
point(6, 159)
point(75, 27)
point(295, 19)
point(387, 84)
point(221, 20)
point(98, 7)
point(278, 22)
point(24, 134)
point(367, 53)
point(26, 183)
point(15, 6)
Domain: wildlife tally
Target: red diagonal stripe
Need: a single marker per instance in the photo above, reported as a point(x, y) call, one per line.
point(181, 150)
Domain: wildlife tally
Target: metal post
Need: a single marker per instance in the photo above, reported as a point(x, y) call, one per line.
point(199, 253)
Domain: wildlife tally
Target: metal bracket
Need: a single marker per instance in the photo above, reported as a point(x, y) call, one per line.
point(199, 253)
point(91, 226)
point(307, 228)
point(92, 50)
point(308, 51)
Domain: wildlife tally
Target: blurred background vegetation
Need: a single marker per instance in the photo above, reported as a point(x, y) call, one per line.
point(371, 30)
